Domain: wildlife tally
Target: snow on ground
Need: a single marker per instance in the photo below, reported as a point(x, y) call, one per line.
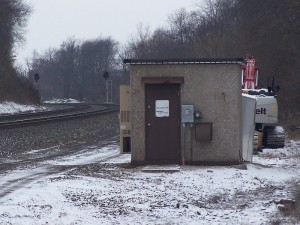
point(66, 100)
point(289, 156)
point(12, 108)
point(107, 190)
point(88, 156)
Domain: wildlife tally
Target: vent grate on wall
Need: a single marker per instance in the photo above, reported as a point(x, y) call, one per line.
point(126, 132)
point(125, 116)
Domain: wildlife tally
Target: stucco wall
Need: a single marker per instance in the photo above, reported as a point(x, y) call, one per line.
point(214, 89)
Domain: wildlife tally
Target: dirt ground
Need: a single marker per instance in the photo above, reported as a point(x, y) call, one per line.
point(292, 126)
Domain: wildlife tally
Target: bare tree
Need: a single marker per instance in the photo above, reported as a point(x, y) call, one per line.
point(75, 70)
point(13, 18)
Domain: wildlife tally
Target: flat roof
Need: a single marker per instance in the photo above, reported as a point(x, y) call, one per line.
point(238, 60)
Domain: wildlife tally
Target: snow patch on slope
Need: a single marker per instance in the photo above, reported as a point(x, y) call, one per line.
point(13, 108)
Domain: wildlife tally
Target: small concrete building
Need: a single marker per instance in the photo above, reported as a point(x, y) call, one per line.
point(186, 111)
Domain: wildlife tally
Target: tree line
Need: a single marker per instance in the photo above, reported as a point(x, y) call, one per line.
point(270, 30)
point(218, 28)
point(76, 69)
point(13, 86)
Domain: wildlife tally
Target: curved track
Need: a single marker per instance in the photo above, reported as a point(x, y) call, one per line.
point(69, 111)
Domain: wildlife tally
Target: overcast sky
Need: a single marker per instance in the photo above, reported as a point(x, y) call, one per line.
point(54, 21)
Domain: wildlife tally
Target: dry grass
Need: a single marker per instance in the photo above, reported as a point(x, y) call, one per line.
point(296, 196)
point(270, 155)
point(289, 208)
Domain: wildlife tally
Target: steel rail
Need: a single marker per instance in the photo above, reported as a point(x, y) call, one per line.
point(57, 117)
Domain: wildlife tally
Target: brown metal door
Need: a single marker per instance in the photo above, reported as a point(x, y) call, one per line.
point(163, 123)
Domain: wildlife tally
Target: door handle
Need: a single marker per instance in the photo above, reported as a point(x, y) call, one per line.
point(149, 124)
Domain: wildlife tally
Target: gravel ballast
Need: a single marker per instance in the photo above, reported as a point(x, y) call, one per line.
point(60, 133)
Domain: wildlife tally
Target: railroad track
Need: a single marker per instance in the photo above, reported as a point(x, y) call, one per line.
point(70, 111)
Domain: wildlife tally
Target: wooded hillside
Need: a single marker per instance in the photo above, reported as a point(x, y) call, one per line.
point(13, 87)
point(270, 30)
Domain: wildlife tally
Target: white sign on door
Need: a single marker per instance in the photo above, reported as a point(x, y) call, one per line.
point(162, 108)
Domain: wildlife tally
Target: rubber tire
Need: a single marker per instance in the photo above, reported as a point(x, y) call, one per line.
point(274, 137)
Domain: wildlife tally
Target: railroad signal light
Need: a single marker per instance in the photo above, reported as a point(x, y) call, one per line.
point(108, 84)
point(105, 75)
point(36, 77)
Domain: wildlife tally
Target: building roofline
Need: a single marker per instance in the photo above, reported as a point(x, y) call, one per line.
point(238, 60)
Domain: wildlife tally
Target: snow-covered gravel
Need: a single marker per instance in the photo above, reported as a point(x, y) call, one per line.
point(12, 108)
point(7, 107)
point(58, 101)
point(99, 186)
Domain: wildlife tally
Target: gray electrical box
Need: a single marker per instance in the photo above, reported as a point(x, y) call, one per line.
point(187, 113)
